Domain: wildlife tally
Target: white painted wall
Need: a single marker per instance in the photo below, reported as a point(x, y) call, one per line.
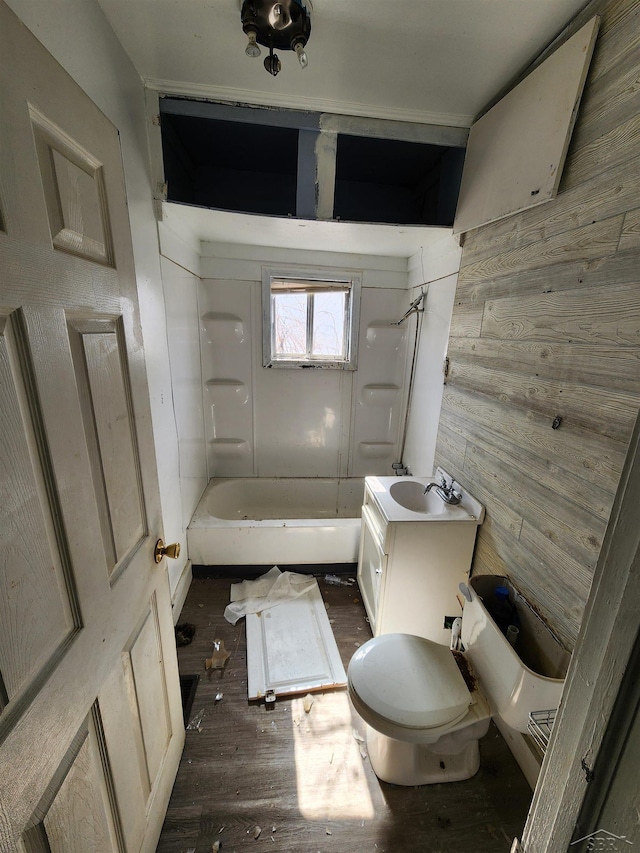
point(279, 422)
point(180, 266)
point(80, 38)
point(436, 270)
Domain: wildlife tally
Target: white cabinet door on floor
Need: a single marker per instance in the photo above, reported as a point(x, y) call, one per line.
point(90, 717)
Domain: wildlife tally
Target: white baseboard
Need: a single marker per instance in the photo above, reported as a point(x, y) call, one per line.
point(180, 592)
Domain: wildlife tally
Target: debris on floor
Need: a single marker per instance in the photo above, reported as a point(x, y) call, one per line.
point(185, 633)
point(361, 744)
point(492, 832)
point(218, 697)
point(256, 832)
point(267, 591)
point(195, 724)
point(219, 657)
point(215, 847)
point(307, 703)
point(335, 580)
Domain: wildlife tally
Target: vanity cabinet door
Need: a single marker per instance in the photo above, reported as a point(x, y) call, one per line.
point(372, 566)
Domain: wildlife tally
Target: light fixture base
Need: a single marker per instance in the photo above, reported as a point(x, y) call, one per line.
point(277, 24)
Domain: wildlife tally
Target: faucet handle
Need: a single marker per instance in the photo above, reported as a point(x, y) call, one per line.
point(399, 468)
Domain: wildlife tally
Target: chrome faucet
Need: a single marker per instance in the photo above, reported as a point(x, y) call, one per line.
point(448, 493)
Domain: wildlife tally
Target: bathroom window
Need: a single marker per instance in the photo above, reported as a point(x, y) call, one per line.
point(310, 321)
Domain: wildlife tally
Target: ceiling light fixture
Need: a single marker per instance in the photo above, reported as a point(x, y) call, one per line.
point(282, 24)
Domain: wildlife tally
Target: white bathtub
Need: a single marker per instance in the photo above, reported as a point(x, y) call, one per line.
point(277, 521)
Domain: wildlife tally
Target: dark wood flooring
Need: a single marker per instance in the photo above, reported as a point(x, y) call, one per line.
point(303, 779)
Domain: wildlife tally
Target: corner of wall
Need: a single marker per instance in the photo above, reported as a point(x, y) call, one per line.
point(434, 268)
point(177, 242)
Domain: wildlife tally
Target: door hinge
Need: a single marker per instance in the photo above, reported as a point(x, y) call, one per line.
point(269, 697)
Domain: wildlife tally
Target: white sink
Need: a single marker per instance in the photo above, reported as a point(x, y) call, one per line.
point(410, 494)
point(403, 499)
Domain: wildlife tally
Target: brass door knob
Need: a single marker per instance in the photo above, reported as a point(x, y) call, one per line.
point(162, 550)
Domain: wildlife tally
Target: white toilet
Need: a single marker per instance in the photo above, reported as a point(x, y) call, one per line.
point(423, 722)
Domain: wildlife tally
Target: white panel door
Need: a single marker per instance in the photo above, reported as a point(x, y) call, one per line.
point(291, 648)
point(90, 718)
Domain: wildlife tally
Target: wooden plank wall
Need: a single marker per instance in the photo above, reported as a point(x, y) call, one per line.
point(546, 323)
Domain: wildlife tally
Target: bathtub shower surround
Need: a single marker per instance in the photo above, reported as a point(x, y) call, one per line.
point(321, 422)
point(270, 520)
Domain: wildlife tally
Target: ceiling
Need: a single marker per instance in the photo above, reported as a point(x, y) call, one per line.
point(434, 61)
point(425, 61)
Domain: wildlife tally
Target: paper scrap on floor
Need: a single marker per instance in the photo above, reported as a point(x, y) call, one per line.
point(265, 592)
point(290, 645)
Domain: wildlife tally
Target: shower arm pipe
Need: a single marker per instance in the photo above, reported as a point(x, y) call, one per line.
point(413, 309)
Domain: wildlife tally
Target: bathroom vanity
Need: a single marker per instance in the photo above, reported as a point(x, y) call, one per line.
point(414, 552)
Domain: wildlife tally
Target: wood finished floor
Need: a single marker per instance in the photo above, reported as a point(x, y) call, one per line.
point(304, 779)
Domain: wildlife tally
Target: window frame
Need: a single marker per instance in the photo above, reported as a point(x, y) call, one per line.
point(311, 279)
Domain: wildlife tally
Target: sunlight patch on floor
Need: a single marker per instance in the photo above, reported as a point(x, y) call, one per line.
point(330, 776)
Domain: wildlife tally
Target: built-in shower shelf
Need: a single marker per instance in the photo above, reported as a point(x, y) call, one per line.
point(227, 391)
point(384, 334)
point(229, 446)
point(379, 395)
point(376, 449)
point(229, 321)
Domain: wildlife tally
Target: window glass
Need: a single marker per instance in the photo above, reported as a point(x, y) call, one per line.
point(309, 322)
point(329, 324)
point(289, 324)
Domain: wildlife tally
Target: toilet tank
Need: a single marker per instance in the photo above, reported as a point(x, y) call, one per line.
point(516, 680)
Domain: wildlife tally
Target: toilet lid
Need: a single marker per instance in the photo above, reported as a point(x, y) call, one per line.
point(409, 681)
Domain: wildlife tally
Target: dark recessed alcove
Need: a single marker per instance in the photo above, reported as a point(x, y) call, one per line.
point(392, 181)
point(272, 162)
point(230, 165)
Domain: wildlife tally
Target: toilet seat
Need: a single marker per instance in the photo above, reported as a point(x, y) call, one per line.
point(407, 687)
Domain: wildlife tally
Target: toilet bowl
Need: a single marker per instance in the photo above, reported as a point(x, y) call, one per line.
point(423, 722)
